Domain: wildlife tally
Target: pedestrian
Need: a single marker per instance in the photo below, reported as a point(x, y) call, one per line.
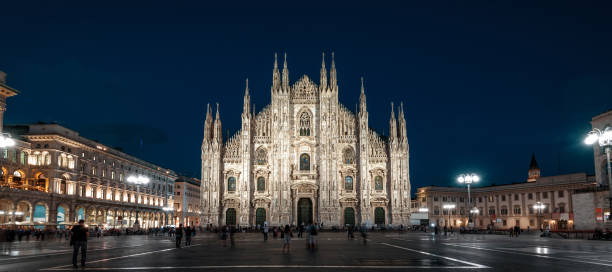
point(178, 235)
point(265, 231)
point(445, 230)
point(287, 238)
point(224, 235)
point(188, 234)
point(301, 230)
point(232, 231)
point(78, 240)
point(312, 235)
point(364, 235)
point(349, 232)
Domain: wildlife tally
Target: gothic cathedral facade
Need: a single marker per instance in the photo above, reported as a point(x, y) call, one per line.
point(305, 158)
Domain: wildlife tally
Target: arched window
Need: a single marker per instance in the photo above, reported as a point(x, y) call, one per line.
point(349, 156)
point(261, 184)
point(17, 177)
point(348, 183)
point(378, 183)
point(304, 162)
point(304, 124)
point(231, 184)
point(261, 157)
point(63, 187)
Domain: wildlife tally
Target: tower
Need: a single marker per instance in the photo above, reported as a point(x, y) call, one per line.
point(246, 149)
point(534, 169)
point(364, 143)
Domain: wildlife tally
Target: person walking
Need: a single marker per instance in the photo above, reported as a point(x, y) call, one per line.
point(301, 230)
point(179, 235)
point(349, 232)
point(78, 240)
point(265, 231)
point(188, 234)
point(287, 238)
point(312, 235)
point(224, 235)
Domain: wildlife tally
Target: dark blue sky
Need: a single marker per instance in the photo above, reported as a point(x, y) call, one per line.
point(484, 85)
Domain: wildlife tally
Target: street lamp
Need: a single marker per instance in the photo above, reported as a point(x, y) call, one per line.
point(468, 179)
point(539, 207)
point(448, 207)
point(6, 141)
point(604, 139)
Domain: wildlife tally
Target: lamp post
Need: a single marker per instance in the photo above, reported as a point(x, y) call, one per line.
point(468, 179)
point(448, 207)
point(539, 207)
point(604, 139)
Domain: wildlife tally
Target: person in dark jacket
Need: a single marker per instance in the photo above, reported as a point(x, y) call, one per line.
point(78, 240)
point(179, 235)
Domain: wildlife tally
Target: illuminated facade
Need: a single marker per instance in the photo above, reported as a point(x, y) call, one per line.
point(187, 201)
point(509, 205)
point(53, 177)
point(305, 158)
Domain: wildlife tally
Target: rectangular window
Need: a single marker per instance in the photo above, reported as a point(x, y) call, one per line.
point(480, 199)
point(561, 209)
point(545, 195)
point(530, 196)
point(444, 198)
point(423, 199)
point(516, 197)
point(435, 198)
point(531, 222)
point(560, 193)
point(112, 174)
point(517, 210)
point(504, 222)
point(461, 199)
point(503, 197)
point(490, 198)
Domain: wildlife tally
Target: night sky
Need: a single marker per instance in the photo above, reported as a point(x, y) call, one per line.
point(484, 85)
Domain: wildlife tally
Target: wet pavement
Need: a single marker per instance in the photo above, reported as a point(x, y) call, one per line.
point(382, 251)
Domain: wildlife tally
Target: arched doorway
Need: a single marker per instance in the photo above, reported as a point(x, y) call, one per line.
point(61, 218)
point(230, 216)
point(260, 216)
point(304, 212)
point(40, 213)
point(349, 216)
point(379, 216)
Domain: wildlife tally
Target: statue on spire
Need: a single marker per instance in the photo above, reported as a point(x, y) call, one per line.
point(323, 82)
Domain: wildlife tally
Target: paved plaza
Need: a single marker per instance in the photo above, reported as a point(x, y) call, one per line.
point(383, 251)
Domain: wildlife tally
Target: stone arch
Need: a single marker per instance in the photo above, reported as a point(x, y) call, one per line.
point(18, 178)
point(62, 215)
point(24, 211)
point(41, 212)
point(3, 176)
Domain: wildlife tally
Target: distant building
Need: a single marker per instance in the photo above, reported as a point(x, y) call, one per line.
point(187, 201)
point(505, 206)
point(54, 177)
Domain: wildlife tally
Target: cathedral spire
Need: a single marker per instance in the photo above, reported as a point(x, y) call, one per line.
point(275, 74)
point(392, 125)
point(362, 99)
point(402, 122)
point(333, 84)
point(218, 133)
point(285, 75)
point(208, 124)
point(323, 82)
point(247, 99)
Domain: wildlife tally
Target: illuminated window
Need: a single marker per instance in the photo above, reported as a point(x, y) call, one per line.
point(231, 184)
point(348, 183)
point(378, 183)
point(304, 162)
point(261, 184)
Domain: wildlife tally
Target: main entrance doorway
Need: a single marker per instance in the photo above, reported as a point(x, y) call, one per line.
point(304, 211)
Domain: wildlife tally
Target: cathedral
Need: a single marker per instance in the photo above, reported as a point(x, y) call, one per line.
point(305, 158)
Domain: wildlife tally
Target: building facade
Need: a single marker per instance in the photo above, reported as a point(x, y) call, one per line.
point(509, 205)
point(305, 158)
point(53, 177)
point(187, 201)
